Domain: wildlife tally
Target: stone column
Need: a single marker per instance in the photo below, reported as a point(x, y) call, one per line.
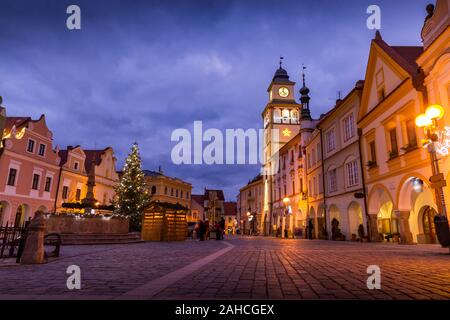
point(373, 225)
point(283, 225)
point(405, 232)
point(33, 252)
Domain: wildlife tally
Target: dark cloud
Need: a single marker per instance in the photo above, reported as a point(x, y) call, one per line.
point(138, 70)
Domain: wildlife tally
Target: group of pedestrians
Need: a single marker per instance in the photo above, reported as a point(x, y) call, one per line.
point(203, 229)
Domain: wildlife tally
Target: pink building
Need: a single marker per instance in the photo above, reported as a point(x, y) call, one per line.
point(29, 169)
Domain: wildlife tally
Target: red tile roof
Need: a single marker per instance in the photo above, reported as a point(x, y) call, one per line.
point(199, 198)
point(405, 56)
point(230, 208)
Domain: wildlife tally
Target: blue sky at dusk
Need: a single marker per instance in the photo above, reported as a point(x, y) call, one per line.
point(140, 69)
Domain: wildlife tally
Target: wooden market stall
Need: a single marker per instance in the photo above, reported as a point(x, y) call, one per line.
point(164, 221)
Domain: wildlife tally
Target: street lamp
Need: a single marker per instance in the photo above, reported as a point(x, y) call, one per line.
point(286, 202)
point(429, 122)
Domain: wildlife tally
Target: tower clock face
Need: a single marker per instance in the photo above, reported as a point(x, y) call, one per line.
point(283, 92)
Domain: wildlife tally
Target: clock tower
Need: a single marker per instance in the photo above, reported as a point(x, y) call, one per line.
point(281, 119)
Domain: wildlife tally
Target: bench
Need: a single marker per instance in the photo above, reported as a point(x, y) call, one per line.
point(53, 239)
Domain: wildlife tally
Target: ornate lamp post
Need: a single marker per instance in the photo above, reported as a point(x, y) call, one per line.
point(437, 143)
point(286, 202)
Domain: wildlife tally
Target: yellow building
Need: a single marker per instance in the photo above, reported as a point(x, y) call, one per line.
point(401, 82)
point(76, 165)
point(171, 190)
point(251, 207)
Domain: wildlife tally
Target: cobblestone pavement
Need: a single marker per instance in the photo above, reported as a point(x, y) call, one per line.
point(255, 268)
point(106, 270)
point(301, 269)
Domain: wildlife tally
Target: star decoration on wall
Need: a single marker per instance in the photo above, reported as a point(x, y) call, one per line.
point(287, 132)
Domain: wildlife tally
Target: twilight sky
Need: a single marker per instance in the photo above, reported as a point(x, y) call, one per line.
point(140, 69)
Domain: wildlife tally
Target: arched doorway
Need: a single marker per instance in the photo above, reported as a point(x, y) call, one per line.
point(355, 219)
point(22, 215)
point(334, 214)
point(387, 222)
point(428, 235)
point(322, 223)
point(310, 228)
point(4, 212)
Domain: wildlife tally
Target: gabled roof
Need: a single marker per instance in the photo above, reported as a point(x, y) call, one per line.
point(16, 121)
point(63, 154)
point(199, 198)
point(230, 208)
point(404, 56)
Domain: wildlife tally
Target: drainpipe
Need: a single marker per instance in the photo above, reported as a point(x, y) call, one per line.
point(57, 189)
point(363, 179)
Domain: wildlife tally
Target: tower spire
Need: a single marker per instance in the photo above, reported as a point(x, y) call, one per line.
point(304, 97)
point(281, 62)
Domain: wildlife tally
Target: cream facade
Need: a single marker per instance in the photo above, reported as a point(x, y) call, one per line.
point(251, 200)
point(167, 189)
point(343, 190)
point(76, 166)
point(401, 82)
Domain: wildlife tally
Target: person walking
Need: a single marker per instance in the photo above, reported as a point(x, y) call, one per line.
point(222, 227)
point(201, 230)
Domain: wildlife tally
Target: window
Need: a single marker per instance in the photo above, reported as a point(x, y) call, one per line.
point(42, 149)
point(78, 195)
point(349, 127)
point(165, 190)
point(181, 194)
point(393, 140)
point(331, 140)
point(76, 165)
point(318, 150)
point(187, 195)
point(171, 192)
point(310, 187)
point(381, 94)
point(332, 180)
point(313, 152)
point(315, 185)
point(352, 174)
point(48, 184)
point(320, 184)
point(30, 146)
point(286, 116)
point(411, 132)
point(153, 189)
point(65, 192)
point(293, 186)
point(309, 160)
point(176, 193)
point(373, 151)
point(35, 185)
point(12, 177)
point(301, 185)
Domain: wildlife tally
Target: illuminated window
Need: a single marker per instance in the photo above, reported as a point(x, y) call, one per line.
point(411, 132)
point(393, 141)
point(78, 195)
point(286, 116)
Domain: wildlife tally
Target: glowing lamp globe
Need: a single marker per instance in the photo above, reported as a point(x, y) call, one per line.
point(423, 121)
point(435, 112)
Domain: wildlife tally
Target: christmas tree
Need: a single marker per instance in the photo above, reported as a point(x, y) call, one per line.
point(132, 193)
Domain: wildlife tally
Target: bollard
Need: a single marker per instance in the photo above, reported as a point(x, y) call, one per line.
point(33, 252)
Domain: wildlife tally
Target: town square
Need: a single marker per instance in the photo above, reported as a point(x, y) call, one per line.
point(225, 151)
